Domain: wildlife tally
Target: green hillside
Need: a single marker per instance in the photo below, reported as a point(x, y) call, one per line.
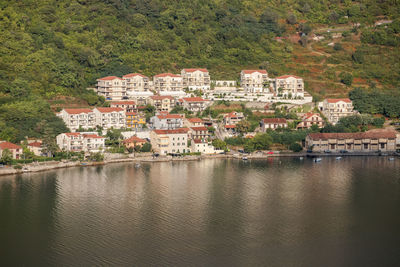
point(52, 49)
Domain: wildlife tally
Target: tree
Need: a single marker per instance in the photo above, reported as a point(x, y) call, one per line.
point(219, 144)
point(146, 147)
point(295, 147)
point(243, 126)
point(6, 157)
point(346, 78)
point(291, 19)
point(337, 47)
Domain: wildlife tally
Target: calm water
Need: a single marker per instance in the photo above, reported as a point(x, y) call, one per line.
point(282, 212)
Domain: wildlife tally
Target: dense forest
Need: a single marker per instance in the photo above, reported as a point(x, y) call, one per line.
point(55, 48)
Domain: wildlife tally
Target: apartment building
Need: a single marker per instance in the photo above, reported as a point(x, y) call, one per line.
point(371, 141)
point(77, 142)
point(170, 141)
point(162, 103)
point(254, 81)
point(16, 150)
point(167, 82)
point(193, 122)
point(75, 118)
point(128, 106)
point(273, 123)
point(110, 117)
point(199, 132)
point(196, 79)
point(233, 117)
point(194, 104)
point(289, 86)
point(134, 120)
point(112, 88)
point(334, 109)
point(203, 147)
point(166, 121)
point(136, 82)
point(310, 119)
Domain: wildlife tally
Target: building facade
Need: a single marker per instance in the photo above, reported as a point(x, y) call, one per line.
point(310, 119)
point(167, 82)
point(199, 132)
point(134, 120)
point(233, 117)
point(289, 86)
point(170, 141)
point(162, 103)
point(15, 150)
point(196, 79)
point(136, 82)
point(110, 117)
point(273, 123)
point(128, 106)
point(166, 121)
point(77, 142)
point(75, 118)
point(194, 104)
point(334, 109)
point(254, 81)
point(112, 88)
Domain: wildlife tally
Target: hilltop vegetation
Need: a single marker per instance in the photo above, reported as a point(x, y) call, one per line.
point(55, 48)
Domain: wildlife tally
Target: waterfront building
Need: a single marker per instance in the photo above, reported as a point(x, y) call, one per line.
point(112, 88)
point(371, 141)
point(166, 121)
point(194, 104)
point(133, 142)
point(128, 106)
point(75, 118)
point(334, 109)
point(136, 82)
point(254, 81)
point(110, 117)
point(167, 82)
point(273, 123)
point(310, 119)
point(36, 147)
point(196, 79)
point(289, 86)
point(16, 150)
point(162, 103)
point(204, 147)
point(134, 120)
point(170, 141)
point(77, 142)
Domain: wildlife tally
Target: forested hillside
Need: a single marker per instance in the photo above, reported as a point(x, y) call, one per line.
point(54, 48)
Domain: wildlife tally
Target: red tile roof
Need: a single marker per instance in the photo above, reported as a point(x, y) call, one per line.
point(35, 144)
point(108, 110)
point(195, 120)
point(91, 136)
point(364, 135)
point(131, 114)
point(233, 114)
point(230, 126)
point(167, 75)
point(134, 139)
point(72, 134)
point(309, 115)
point(8, 145)
point(133, 75)
point(335, 100)
point(252, 71)
point(170, 116)
point(193, 99)
point(161, 97)
point(174, 131)
point(195, 69)
point(77, 110)
point(288, 76)
point(199, 141)
point(123, 103)
point(199, 128)
point(109, 78)
point(274, 120)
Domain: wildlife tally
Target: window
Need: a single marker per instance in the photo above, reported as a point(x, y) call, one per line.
point(382, 145)
point(365, 146)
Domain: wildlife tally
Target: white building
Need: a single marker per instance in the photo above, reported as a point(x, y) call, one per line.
point(77, 142)
point(310, 119)
point(75, 118)
point(254, 81)
point(167, 82)
point(334, 109)
point(273, 123)
point(166, 121)
point(194, 104)
point(196, 79)
point(112, 88)
point(136, 82)
point(110, 117)
point(289, 86)
point(233, 117)
point(203, 147)
point(170, 141)
point(128, 106)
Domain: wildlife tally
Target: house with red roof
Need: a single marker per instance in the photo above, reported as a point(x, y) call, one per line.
point(133, 142)
point(76, 142)
point(112, 88)
point(170, 141)
point(136, 82)
point(289, 86)
point(167, 82)
point(75, 118)
point(195, 104)
point(309, 119)
point(196, 79)
point(15, 150)
point(233, 117)
point(273, 124)
point(127, 105)
point(193, 122)
point(204, 147)
point(254, 81)
point(36, 147)
point(162, 103)
point(335, 108)
point(166, 121)
point(199, 132)
point(108, 117)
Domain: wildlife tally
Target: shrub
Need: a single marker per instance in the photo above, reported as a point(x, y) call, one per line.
point(295, 147)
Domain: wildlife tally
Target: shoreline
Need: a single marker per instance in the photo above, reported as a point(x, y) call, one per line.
point(53, 165)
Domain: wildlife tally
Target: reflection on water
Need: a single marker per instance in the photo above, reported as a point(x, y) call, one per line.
point(281, 212)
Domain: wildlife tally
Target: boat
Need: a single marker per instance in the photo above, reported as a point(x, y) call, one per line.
point(25, 169)
point(338, 158)
point(137, 165)
point(317, 160)
point(244, 158)
point(391, 159)
point(301, 158)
